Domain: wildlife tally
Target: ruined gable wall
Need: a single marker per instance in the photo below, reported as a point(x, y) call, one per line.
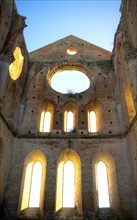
point(115, 122)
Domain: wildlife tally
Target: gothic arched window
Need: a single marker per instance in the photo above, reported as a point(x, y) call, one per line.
point(69, 121)
point(102, 185)
point(129, 102)
point(92, 121)
point(68, 190)
point(68, 185)
point(32, 185)
point(45, 122)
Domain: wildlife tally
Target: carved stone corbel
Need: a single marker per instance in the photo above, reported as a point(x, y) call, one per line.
point(8, 57)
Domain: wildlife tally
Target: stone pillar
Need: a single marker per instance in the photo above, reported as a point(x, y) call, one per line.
point(87, 188)
point(5, 61)
point(120, 115)
point(50, 187)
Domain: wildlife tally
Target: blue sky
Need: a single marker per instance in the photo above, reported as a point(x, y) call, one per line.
point(95, 21)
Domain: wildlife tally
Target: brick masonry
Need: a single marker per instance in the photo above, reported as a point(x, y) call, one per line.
point(23, 100)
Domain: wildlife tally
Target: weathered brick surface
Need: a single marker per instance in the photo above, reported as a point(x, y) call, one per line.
point(115, 142)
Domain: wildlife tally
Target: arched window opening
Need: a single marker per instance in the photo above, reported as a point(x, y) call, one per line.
point(68, 185)
point(102, 186)
point(92, 121)
point(32, 185)
point(26, 190)
point(69, 121)
point(129, 102)
point(34, 200)
point(45, 122)
point(15, 68)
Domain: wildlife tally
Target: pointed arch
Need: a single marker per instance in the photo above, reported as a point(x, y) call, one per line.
point(94, 116)
point(110, 174)
point(129, 102)
point(33, 181)
point(69, 121)
point(70, 115)
point(92, 125)
point(45, 122)
point(68, 184)
point(46, 116)
point(102, 185)
point(69, 156)
point(36, 177)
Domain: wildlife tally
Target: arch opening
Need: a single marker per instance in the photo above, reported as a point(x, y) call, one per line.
point(102, 184)
point(33, 182)
point(15, 68)
point(68, 185)
point(92, 121)
point(69, 121)
point(129, 102)
point(45, 121)
point(34, 200)
point(68, 191)
point(32, 185)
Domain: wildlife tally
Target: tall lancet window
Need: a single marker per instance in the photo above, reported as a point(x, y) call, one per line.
point(68, 185)
point(45, 122)
point(92, 127)
point(102, 186)
point(32, 185)
point(68, 121)
point(130, 102)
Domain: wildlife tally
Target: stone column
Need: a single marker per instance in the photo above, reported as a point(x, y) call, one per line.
point(87, 188)
point(50, 187)
point(5, 61)
point(120, 115)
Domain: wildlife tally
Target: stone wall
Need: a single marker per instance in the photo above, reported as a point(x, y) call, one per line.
point(125, 55)
point(52, 149)
point(5, 156)
point(112, 77)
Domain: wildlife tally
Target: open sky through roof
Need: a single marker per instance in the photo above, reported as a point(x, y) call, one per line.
point(95, 21)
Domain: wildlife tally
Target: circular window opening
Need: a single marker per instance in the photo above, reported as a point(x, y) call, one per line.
point(71, 51)
point(70, 82)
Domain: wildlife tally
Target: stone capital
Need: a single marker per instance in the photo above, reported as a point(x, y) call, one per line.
point(8, 57)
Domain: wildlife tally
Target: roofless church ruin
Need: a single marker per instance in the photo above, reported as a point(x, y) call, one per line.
point(68, 155)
